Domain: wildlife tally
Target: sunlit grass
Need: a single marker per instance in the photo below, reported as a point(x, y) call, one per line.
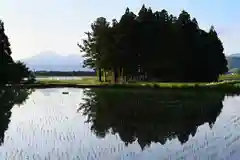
point(93, 82)
point(230, 77)
point(224, 79)
point(89, 80)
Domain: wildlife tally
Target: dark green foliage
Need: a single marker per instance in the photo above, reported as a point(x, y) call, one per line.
point(148, 116)
point(10, 71)
point(154, 46)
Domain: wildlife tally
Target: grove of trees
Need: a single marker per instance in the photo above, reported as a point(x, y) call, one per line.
point(10, 71)
point(154, 46)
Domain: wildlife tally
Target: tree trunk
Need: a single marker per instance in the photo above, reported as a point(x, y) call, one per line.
point(105, 76)
point(115, 75)
point(99, 75)
point(121, 74)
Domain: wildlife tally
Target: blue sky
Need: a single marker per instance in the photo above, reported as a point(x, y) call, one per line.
point(34, 26)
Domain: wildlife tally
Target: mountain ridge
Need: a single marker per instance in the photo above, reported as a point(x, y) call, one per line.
point(51, 61)
point(233, 61)
point(234, 55)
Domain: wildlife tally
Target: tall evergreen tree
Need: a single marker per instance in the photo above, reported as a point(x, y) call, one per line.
point(10, 71)
point(93, 46)
point(5, 54)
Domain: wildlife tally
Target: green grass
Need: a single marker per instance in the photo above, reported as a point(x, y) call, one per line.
point(227, 86)
point(92, 82)
point(230, 77)
point(88, 80)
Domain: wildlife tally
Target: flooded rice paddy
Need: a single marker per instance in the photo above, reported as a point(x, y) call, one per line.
point(106, 124)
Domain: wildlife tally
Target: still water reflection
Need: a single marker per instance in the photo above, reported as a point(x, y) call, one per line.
point(118, 124)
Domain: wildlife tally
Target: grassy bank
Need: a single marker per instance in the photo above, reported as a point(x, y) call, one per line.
point(229, 77)
point(94, 81)
point(232, 86)
point(85, 80)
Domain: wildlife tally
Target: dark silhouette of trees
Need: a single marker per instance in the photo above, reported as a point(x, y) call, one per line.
point(154, 46)
point(11, 71)
point(8, 98)
point(147, 116)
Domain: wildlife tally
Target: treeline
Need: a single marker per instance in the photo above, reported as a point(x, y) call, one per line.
point(60, 73)
point(11, 71)
point(154, 46)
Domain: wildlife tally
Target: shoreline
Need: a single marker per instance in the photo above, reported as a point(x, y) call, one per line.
point(231, 86)
point(227, 86)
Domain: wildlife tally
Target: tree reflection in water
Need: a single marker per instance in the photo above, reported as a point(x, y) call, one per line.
point(150, 116)
point(8, 98)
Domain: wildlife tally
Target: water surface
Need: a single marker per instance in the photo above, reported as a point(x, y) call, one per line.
point(118, 124)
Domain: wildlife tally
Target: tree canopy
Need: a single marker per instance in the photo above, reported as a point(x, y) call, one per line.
point(154, 46)
point(11, 71)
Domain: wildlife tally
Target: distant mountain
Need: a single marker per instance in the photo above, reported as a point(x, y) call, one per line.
point(234, 55)
point(51, 61)
point(233, 61)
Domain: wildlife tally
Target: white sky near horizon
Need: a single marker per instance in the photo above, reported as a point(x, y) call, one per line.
point(34, 26)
